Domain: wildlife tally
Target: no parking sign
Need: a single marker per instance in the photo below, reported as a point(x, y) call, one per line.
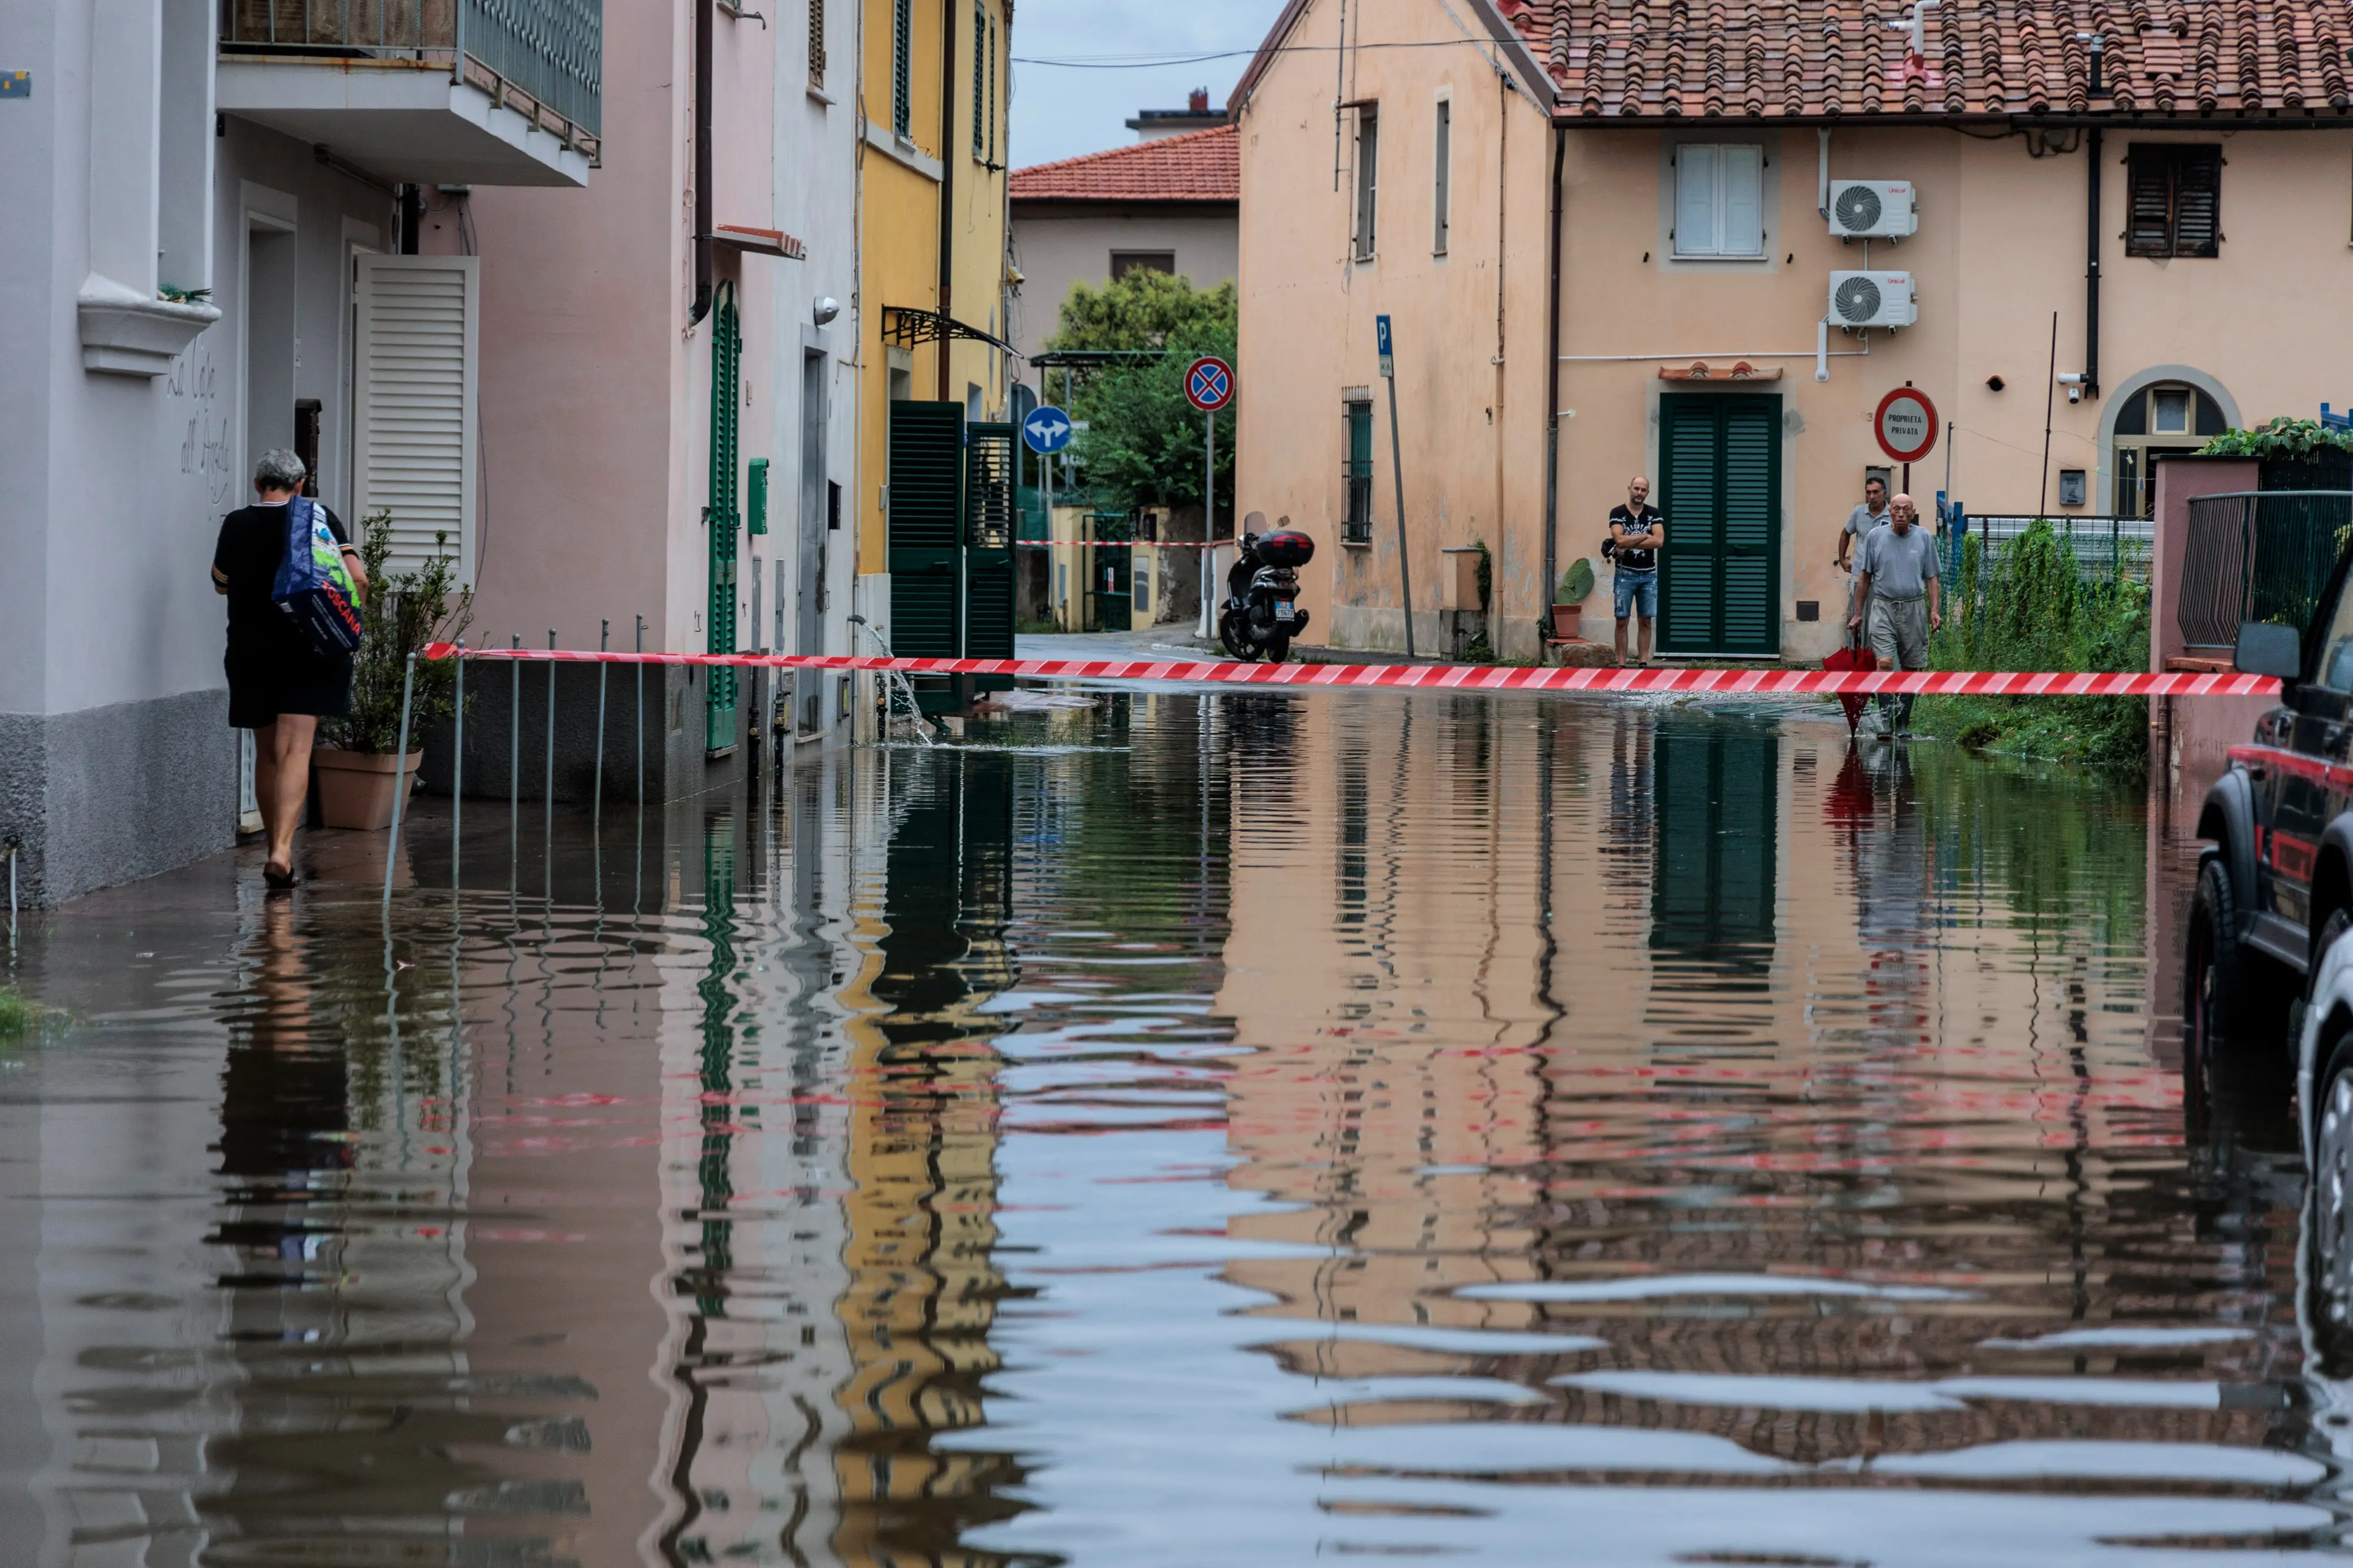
point(1209, 383)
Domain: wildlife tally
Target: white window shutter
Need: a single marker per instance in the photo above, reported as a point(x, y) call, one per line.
point(1695, 201)
point(415, 395)
point(1744, 200)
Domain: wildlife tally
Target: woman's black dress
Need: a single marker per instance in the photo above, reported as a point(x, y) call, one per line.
point(273, 668)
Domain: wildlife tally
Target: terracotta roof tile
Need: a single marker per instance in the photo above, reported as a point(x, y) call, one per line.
point(1194, 166)
point(1774, 59)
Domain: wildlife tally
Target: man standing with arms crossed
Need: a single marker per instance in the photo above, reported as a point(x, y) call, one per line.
point(1636, 532)
point(1897, 592)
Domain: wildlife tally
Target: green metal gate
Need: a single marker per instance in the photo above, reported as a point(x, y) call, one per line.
point(1110, 605)
point(722, 517)
point(1720, 489)
point(989, 452)
point(927, 518)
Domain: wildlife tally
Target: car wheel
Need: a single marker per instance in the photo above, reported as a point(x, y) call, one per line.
point(2224, 999)
point(2332, 1189)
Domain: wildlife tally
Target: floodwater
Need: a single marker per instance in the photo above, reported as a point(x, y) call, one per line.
point(1168, 1130)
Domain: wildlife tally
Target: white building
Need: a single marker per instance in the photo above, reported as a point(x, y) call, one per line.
point(208, 211)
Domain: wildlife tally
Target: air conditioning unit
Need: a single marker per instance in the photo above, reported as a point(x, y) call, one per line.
point(1873, 209)
point(1872, 300)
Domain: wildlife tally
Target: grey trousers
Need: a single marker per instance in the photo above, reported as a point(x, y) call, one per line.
point(1897, 631)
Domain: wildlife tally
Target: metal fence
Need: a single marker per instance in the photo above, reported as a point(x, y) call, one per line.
point(2104, 547)
point(2258, 556)
point(551, 51)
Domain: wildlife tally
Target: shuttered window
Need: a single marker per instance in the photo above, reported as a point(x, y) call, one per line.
point(1720, 489)
point(902, 67)
point(979, 81)
point(926, 478)
point(1441, 161)
point(414, 401)
point(1368, 182)
point(817, 42)
point(1714, 880)
point(2175, 207)
point(1356, 470)
point(1720, 201)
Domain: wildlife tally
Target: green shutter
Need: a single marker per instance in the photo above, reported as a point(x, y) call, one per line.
point(755, 504)
point(1720, 491)
point(1717, 789)
point(979, 76)
point(903, 75)
point(927, 518)
point(721, 518)
point(989, 452)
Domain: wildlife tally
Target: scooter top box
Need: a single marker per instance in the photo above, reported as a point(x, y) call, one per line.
point(1285, 547)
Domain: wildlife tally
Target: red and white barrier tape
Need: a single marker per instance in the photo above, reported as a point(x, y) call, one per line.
point(1122, 543)
point(1460, 677)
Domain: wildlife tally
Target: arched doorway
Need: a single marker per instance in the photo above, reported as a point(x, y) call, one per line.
point(2169, 409)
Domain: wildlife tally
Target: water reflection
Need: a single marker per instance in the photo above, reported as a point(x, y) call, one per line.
point(1176, 1128)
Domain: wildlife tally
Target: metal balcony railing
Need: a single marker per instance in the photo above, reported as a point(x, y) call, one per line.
point(2106, 547)
point(549, 51)
point(2258, 556)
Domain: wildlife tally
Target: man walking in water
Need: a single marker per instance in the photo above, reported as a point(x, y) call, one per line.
point(1636, 532)
point(1896, 593)
point(1859, 524)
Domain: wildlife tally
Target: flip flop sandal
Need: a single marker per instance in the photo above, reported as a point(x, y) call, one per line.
point(280, 881)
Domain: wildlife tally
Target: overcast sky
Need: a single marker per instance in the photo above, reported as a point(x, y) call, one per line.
point(1061, 112)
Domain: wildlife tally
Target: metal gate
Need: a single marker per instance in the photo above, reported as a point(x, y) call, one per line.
point(722, 517)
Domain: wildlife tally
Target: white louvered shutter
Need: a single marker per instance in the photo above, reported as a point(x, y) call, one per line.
point(414, 396)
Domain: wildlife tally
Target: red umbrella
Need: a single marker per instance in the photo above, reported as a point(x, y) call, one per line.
point(1853, 656)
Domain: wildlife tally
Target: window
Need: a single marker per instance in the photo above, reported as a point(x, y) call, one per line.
point(903, 75)
point(1443, 157)
point(1356, 470)
point(2176, 203)
point(993, 115)
point(1368, 161)
point(1719, 201)
point(1123, 262)
point(979, 81)
point(816, 43)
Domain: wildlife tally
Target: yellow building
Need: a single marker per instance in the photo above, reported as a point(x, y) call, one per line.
point(932, 288)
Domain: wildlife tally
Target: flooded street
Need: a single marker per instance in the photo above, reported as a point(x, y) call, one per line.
point(1182, 1129)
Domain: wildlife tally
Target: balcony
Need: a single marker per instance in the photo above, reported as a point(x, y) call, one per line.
point(479, 92)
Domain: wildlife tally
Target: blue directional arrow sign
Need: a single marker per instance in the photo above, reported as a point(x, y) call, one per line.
point(1047, 430)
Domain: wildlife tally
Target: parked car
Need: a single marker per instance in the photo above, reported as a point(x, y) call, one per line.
point(2275, 880)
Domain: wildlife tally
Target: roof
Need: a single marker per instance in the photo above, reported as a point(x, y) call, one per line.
point(1195, 166)
point(2249, 62)
point(1690, 59)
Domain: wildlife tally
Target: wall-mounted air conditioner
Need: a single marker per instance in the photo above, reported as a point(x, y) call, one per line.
point(1872, 300)
point(1873, 209)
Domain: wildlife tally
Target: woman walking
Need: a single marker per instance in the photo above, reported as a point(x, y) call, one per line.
point(278, 686)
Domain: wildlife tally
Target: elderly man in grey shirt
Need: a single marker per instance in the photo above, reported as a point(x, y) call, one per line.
point(1897, 592)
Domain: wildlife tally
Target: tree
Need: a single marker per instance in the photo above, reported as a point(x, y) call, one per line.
point(1143, 446)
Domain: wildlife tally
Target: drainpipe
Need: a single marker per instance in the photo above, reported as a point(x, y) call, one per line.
point(1822, 174)
point(702, 138)
point(947, 179)
point(1552, 387)
point(2092, 232)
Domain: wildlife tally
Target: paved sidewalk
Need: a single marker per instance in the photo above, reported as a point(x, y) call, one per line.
point(1149, 642)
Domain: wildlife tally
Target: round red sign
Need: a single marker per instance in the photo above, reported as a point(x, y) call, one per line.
point(1905, 424)
point(1209, 383)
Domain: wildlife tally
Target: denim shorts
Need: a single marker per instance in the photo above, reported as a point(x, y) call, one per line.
point(1636, 593)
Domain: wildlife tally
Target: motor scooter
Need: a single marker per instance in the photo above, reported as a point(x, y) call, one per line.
point(1261, 613)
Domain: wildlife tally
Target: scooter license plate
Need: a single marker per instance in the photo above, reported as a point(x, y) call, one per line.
point(1282, 610)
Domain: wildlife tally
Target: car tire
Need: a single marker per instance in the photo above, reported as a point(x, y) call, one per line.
point(2330, 1221)
point(2224, 1001)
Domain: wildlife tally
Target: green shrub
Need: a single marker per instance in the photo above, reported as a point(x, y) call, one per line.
point(17, 1015)
point(2279, 438)
point(2037, 609)
point(404, 612)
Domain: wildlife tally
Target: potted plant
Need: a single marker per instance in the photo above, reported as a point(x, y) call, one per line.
point(355, 771)
point(1568, 601)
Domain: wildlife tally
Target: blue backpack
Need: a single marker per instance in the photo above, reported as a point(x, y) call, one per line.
point(314, 588)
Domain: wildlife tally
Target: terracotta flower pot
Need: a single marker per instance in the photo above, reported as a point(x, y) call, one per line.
point(1567, 626)
point(355, 788)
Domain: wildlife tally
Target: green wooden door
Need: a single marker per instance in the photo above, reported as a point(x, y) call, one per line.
point(926, 522)
point(1720, 489)
point(989, 451)
point(722, 517)
point(1717, 793)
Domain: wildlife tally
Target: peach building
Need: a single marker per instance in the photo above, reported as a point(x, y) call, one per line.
point(1703, 246)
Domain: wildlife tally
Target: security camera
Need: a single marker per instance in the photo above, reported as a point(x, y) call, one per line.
point(825, 308)
point(2072, 380)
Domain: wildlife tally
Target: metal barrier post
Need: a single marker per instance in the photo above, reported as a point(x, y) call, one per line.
point(514, 750)
point(399, 791)
point(458, 776)
point(604, 641)
point(641, 716)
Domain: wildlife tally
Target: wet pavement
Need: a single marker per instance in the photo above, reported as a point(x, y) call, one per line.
point(1177, 1129)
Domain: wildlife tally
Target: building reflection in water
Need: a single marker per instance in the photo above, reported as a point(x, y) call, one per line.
point(1252, 1123)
